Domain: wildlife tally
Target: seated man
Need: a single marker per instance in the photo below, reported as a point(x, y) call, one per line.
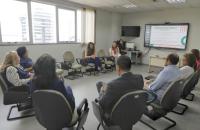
point(110, 93)
point(170, 73)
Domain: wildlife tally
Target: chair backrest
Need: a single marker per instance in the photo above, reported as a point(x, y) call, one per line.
point(129, 109)
point(3, 84)
point(101, 53)
point(172, 95)
point(189, 85)
point(68, 57)
point(52, 109)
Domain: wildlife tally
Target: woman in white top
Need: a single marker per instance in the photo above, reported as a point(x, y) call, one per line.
point(12, 73)
point(188, 62)
point(114, 51)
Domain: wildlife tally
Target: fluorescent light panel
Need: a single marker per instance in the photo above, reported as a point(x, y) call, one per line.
point(176, 1)
point(129, 6)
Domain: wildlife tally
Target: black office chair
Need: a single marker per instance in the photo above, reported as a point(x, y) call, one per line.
point(168, 102)
point(188, 87)
point(18, 96)
point(125, 113)
point(198, 76)
point(54, 112)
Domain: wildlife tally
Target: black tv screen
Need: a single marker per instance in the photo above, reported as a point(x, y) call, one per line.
point(130, 31)
point(170, 36)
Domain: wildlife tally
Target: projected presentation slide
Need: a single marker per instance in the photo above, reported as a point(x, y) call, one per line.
point(166, 36)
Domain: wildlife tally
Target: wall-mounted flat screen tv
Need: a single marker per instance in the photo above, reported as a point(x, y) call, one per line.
point(130, 31)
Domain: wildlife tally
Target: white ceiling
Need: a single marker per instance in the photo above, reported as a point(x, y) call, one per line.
point(142, 5)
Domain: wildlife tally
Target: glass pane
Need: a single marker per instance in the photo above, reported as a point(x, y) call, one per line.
point(66, 25)
point(44, 23)
point(79, 25)
point(14, 21)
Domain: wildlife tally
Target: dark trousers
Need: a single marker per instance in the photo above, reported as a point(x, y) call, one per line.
point(95, 61)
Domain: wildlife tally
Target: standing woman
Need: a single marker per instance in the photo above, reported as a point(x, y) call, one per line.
point(13, 75)
point(90, 54)
point(25, 61)
point(197, 55)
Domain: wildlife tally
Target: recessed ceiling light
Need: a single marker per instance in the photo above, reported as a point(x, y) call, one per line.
point(176, 1)
point(129, 6)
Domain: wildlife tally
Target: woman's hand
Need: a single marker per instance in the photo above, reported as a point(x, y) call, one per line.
point(93, 56)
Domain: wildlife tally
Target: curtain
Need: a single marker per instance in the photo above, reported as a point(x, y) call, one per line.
point(89, 22)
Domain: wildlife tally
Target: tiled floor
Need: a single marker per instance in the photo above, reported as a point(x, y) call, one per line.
point(85, 88)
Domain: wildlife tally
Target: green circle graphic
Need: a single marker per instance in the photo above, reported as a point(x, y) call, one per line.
point(183, 40)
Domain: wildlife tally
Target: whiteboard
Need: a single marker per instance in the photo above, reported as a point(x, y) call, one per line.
point(167, 36)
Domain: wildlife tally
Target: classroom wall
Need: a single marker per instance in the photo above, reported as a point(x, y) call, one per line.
point(107, 28)
point(104, 28)
point(188, 15)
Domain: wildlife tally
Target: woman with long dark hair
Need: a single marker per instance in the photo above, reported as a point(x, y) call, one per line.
point(114, 51)
point(45, 78)
point(90, 54)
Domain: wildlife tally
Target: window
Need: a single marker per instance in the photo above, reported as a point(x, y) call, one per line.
point(67, 25)
point(25, 21)
point(43, 23)
point(14, 21)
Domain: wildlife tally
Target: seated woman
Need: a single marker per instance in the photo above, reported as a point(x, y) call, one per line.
point(13, 75)
point(45, 78)
point(25, 61)
point(90, 54)
point(197, 54)
point(114, 51)
point(188, 62)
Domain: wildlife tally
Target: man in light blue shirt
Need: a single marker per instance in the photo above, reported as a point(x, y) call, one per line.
point(170, 73)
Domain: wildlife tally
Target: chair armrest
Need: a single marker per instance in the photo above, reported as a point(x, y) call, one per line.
point(96, 100)
point(78, 60)
point(156, 106)
point(82, 106)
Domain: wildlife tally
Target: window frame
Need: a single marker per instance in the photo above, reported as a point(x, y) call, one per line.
point(75, 18)
point(17, 43)
point(50, 4)
point(30, 25)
